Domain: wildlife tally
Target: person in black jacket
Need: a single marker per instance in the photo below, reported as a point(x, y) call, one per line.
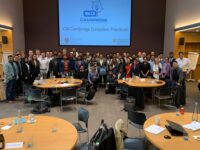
point(145, 68)
point(54, 66)
point(82, 74)
point(135, 68)
point(17, 61)
point(34, 68)
point(25, 71)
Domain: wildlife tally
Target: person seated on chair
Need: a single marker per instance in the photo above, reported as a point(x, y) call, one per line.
point(176, 74)
point(121, 74)
point(178, 83)
point(102, 69)
point(110, 85)
point(82, 74)
point(93, 77)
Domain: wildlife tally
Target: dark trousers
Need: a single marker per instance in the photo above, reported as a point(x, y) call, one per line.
point(10, 89)
point(102, 79)
point(19, 87)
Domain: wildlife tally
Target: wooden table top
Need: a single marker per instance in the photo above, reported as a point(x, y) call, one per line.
point(142, 82)
point(58, 83)
point(41, 135)
point(175, 143)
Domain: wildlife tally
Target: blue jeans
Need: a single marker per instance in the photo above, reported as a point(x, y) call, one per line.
point(10, 89)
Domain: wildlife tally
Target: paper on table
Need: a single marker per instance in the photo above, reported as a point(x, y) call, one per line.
point(192, 126)
point(154, 129)
point(6, 127)
point(14, 145)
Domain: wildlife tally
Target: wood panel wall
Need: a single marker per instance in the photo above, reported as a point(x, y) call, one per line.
point(5, 47)
point(191, 44)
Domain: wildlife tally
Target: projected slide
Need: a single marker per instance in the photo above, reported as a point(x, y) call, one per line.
point(95, 22)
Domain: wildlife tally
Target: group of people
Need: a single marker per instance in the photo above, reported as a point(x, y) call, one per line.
point(95, 69)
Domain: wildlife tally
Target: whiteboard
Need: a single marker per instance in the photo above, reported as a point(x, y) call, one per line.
point(5, 57)
point(193, 57)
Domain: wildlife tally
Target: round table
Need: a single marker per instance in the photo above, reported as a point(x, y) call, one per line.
point(175, 143)
point(136, 88)
point(57, 83)
point(142, 82)
point(40, 134)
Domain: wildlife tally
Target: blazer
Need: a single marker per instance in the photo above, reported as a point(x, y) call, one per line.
point(9, 72)
point(180, 75)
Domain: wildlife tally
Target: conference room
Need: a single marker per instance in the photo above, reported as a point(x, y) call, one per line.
point(99, 74)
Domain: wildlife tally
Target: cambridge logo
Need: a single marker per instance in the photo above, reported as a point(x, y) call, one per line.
point(96, 8)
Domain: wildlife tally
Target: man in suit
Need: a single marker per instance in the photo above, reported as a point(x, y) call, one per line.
point(178, 83)
point(11, 75)
point(18, 85)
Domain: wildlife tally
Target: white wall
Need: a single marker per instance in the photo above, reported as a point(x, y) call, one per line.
point(179, 13)
point(11, 14)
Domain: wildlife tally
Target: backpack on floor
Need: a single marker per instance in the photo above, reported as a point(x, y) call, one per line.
point(91, 93)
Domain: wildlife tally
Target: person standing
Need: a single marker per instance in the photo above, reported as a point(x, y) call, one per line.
point(18, 85)
point(135, 68)
point(11, 75)
point(157, 69)
point(145, 68)
point(166, 68)
point(64, 66)
point(44, 65)
point(25, 71)
point(171, 58)
point(34, 68)
point(128, 68)
point(54, 66)
point(184, 64)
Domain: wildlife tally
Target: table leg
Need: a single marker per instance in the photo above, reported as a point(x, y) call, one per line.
point(153, 95)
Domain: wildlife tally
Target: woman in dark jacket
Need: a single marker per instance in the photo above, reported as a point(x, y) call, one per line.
point(25, 71)
point(34, 68)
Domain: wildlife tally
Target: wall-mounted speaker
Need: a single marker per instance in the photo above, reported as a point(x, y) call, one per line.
point(4, 39)
point(182, 41)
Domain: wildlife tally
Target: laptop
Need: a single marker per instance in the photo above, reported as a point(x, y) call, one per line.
point(175, 129)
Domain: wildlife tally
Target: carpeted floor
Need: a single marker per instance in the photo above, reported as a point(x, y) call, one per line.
point(107, 107)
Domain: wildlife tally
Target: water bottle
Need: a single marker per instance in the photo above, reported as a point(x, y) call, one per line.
point(195, 113)
point(18, 122)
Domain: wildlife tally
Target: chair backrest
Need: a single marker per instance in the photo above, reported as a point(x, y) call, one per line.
point(83, 115)
point(68, 92)
point(136, 117)
point(165, 92)
point(34, 94)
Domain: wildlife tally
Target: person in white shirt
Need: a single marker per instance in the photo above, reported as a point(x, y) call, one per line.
point(43, 64)
point(157, 66)
point(183, 63)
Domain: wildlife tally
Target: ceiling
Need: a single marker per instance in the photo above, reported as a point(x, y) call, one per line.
point(197, 30)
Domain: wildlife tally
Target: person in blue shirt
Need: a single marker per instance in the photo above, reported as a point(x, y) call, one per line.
point(11, 75)
point(93, 77)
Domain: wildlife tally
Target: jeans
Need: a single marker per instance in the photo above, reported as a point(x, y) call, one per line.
point(10, 89)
